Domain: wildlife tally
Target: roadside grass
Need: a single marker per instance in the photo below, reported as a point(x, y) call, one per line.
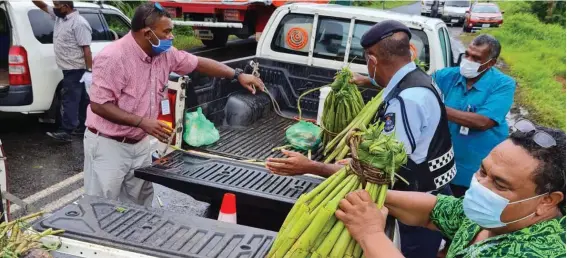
point(388, 4)
point(535, 54)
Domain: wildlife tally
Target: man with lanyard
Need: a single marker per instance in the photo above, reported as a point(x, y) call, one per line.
point(515, 206)
point(129, 90)
point(71, 43)
point(412, 110)
point(477, 98)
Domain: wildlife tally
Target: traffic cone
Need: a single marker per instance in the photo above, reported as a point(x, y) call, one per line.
point(228, 208)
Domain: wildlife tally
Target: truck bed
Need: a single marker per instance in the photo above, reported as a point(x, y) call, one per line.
point(255, 141)
point(155, 232)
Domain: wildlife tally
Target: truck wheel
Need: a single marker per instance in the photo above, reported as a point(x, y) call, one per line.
point(220, 37)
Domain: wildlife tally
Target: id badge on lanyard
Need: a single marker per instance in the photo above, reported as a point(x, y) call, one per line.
point(165, 102)
point(465, 130)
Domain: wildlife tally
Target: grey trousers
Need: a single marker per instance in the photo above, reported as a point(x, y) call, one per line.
point(109, 169)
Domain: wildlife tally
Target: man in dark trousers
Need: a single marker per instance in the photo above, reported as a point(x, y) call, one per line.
point(412, 109)
point(71, 43)
point(435, 9)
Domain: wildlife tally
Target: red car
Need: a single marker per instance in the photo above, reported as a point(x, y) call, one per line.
point(482, 15)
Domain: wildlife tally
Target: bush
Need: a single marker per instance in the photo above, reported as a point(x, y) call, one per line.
point(535, 52)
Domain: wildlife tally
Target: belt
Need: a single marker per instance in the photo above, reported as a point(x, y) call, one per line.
point(116, 138)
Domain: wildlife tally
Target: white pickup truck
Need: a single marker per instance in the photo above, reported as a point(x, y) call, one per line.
point(303, 47)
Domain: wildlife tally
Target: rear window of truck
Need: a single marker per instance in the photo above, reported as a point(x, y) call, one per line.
point(293, 36)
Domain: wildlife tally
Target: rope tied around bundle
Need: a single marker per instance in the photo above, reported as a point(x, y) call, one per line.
point(364, 171)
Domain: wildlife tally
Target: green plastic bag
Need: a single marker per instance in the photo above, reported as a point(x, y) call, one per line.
point(199, 130)
point(304, 135)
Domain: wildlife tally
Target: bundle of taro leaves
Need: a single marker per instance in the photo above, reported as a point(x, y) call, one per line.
point(18, 239)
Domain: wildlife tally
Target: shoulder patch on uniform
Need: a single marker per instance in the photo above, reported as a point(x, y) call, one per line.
point(389, 122)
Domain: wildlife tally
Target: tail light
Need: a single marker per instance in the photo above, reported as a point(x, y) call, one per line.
point(169, 119)
point(18, 67)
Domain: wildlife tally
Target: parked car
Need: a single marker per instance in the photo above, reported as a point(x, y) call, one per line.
point(29, 76)
point(482, 15)
point(454, 11)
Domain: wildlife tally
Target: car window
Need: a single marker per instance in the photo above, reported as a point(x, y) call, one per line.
point(98, 34)
point(116, 24)
point(443, 46)
point(419, 43)
point(458, 3)
point(293, 34)
point(485, 9)
point(331, 38)
point(449, 47)
point(42, 26)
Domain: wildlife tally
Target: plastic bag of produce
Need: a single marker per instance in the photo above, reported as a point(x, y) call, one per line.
point(199, 130)
point(303, 135)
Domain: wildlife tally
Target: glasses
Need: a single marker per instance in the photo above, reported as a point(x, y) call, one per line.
point(542, 138)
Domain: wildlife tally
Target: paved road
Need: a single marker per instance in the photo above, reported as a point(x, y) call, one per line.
point(35, 162)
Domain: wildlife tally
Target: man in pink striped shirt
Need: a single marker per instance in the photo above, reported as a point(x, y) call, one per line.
point(129, 77)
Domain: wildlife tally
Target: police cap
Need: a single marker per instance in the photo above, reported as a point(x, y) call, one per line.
point(381, 31)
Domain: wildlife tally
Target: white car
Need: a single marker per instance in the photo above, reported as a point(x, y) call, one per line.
point(454, 11)
point(426, 7)
point(29, 76)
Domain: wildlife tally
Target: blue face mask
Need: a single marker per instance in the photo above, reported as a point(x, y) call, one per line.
point(484, 207)
point(163, 45)
point(372, 78)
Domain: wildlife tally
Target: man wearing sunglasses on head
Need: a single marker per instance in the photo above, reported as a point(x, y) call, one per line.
point(127, 94)
point(515, 206)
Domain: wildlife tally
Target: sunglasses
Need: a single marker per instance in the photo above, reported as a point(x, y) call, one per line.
point(157, 7)
point(542, 138)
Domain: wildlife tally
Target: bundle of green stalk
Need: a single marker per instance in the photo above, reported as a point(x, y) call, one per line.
point(338, 145)
point(342, 105)
point(311, 228)
point(17, 239)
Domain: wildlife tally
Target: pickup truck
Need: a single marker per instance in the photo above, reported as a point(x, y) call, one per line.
point(249, 129)
point(248, 125)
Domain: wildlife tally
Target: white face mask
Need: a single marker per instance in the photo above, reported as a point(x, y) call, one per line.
point(484, 207)
point(469, 69)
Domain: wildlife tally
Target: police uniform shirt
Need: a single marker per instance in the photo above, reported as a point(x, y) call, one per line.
point(423, 115)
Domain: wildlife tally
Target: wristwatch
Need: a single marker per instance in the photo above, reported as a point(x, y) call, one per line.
point(237, 72)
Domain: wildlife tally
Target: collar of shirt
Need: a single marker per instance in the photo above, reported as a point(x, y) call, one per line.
point(138, 51)
point(482, 84)
point(71, 15)
point(398, 76)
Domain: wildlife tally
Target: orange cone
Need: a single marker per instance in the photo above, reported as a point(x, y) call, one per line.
point(228, 208)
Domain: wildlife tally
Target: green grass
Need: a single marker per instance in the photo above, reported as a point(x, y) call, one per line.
point(387, 4)
point(535, 54)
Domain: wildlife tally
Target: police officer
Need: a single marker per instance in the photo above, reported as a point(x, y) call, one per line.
point(412, 109)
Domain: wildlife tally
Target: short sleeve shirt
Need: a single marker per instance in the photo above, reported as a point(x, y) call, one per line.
point(124, 75)
point(70, 35)
point(491, 96)
point(542, 240)
point(423, 115)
